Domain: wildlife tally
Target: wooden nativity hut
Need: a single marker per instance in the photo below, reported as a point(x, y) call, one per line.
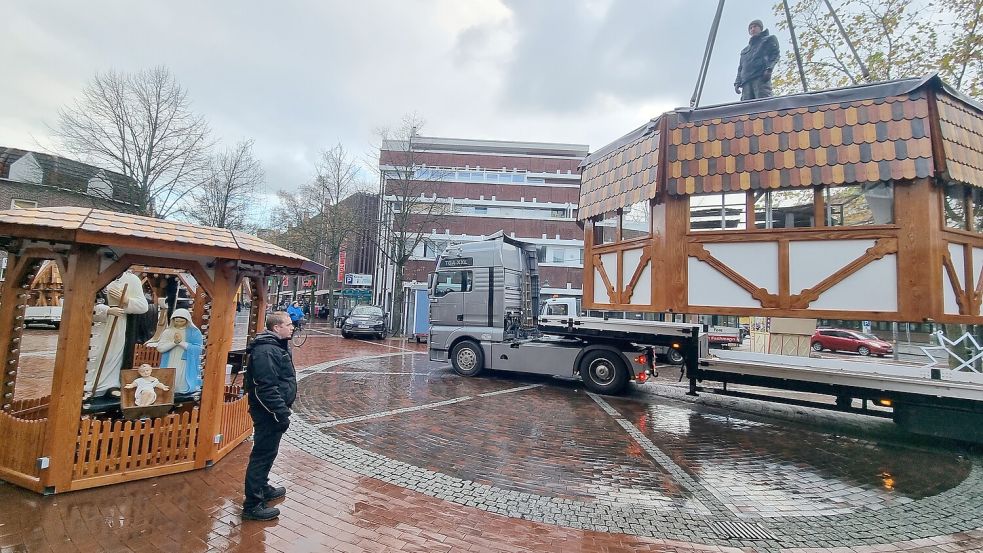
point(861, 203)
point(60, 442)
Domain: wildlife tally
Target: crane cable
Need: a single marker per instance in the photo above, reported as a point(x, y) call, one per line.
point(707, 52)
point(856, 56)
point(795, 46)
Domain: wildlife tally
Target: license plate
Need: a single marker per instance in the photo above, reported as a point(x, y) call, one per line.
point(363, 326)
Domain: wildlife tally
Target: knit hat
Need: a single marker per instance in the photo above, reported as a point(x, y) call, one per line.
point(756, 22)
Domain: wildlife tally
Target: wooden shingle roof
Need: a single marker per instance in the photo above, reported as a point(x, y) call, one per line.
point(859, 134)
point(107, 228)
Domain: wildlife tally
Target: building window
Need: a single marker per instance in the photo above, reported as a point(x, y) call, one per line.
point(541, 254)
point(451, 281)
point(636, 221)
point(784, 208)
point(22, 204)
point(558, 213)
point(558, 255)
point(726, 211)
point(432, 250)
point(860, 204)
point(605, 230)
point(954, 206)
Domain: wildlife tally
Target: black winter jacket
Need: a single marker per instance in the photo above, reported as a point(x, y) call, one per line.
point(760, 55)
point(270, 378)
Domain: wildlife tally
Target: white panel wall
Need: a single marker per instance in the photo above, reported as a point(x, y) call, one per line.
point(811, 262)
point(643, 289)
point(872, 288)
point(610, 263)
point(629, 263)
point(755, 261)
point(708, 287)
point(959, 262)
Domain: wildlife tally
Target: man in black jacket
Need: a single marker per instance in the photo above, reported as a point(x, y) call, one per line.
point(758, 59)
point(271, 385)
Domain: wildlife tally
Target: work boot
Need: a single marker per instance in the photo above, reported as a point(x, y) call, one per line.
point(270, 493)
point(260, 512)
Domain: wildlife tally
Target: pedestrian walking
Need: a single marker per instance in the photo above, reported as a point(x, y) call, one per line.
point(758, 59)
point(271, 386)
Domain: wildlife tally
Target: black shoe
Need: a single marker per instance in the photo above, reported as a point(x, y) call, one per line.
point(271, 493)
point(260, 512)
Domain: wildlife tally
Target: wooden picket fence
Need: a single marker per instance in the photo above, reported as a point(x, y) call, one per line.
point(23, 440)
point(236, 423)
point(143, 354)
point(116, 447)
point(30, 409)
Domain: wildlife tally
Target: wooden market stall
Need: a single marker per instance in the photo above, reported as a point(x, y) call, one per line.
point(861, 203)
point(49, 445)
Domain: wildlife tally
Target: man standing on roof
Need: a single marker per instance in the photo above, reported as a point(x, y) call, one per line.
point(758, 58)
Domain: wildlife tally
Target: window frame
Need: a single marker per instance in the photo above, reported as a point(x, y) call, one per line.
point(14, 201)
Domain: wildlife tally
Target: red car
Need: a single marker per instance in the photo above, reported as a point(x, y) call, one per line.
point(839, 339)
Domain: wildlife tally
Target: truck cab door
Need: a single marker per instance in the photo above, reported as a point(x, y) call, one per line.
point(447, 297)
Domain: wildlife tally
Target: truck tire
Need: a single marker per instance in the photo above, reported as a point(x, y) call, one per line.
point(467, 358)
point(603, 373)
point(675, 357)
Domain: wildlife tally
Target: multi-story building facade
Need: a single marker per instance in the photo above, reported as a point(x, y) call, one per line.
point(528, 190)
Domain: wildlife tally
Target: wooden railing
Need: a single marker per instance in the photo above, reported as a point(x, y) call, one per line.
point(116, 447)
point(30, 409)
point(236, 422)
point(23, 440)
point(143, 354)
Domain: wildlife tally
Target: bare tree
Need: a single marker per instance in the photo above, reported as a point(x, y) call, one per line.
point(141, 125)
point(319, 222)
point(225, 199)
point(410, 208)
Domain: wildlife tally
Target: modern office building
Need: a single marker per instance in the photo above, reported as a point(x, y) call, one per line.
point(528, 190)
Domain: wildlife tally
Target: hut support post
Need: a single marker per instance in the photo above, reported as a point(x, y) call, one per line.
point(920, 249)
point(257, 319)
point(10, 308)
point(219, 341)
point(70, 363)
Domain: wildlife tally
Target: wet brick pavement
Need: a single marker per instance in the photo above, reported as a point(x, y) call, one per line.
point(389, 452)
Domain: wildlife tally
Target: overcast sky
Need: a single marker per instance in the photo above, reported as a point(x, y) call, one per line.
point(300, 76)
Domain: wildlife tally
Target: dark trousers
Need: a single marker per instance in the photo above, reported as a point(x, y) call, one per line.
point(266, 444)
point(756, 88)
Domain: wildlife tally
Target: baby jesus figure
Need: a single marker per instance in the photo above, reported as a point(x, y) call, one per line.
point(146, 387)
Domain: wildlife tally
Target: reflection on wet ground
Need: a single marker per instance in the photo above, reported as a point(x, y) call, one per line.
point(540, 448)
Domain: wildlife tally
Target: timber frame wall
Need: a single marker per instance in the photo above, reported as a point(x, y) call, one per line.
point(917, 139)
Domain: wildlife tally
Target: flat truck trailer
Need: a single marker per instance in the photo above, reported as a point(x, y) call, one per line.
point(484, 314)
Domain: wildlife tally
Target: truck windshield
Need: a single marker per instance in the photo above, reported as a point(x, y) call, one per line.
point(451, 281)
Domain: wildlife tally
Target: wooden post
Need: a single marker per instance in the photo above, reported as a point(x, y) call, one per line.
point(257, 315)
point(218, 343)
point(918, 211)
point(10, 329)
point(69, 372)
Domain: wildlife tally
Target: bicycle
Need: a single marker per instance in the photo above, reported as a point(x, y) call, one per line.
point(300, 334)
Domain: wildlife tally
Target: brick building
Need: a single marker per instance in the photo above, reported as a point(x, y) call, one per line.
point(34, 179)
point(529, 190)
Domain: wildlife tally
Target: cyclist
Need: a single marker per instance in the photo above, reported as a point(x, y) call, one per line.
point(296, 315)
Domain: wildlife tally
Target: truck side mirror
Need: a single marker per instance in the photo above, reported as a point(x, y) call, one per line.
point(430, 279)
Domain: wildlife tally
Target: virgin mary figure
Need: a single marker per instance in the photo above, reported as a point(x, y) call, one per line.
point(181, 344)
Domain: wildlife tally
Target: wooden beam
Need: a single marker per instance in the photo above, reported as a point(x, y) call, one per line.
point(918, 214)
point(630, 288)
point(128, 260)
point(766, 299)
point(221, 324)
point(881, 248)
point(784, 268)
point(71, 358)
point(954, 282)
point(612, 293)
point(11, 307)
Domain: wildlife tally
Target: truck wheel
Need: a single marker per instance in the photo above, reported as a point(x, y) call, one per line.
point(467, 358)
point(675, 356)
point(603, 373)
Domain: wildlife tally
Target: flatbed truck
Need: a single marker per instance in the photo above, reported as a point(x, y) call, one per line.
point(484, 314)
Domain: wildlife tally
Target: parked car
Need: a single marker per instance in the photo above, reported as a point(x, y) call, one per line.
point(839, 339)
point(365, 320)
